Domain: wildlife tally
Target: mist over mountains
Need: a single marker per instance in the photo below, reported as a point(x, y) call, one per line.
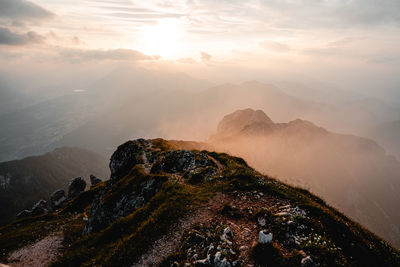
point(133, 102)
point(352, 173)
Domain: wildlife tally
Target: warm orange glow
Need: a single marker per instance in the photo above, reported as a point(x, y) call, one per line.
point(163, 39)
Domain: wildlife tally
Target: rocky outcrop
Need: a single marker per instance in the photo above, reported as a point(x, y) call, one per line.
point(75, 187)
point(57, 198)
point(125, 157)
point(39, 208)
point(187, 163)
point(103, 213)
point(94, 180)
point(150, 178)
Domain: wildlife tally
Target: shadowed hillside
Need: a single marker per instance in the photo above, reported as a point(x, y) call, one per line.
point(24, 182)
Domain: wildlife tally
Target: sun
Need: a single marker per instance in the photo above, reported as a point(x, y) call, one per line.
point(163, 39)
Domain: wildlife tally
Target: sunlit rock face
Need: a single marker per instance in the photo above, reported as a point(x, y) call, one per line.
point(239, 120)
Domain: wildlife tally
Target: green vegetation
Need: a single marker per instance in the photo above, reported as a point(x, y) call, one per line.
point(129, 237)
point(323, 232)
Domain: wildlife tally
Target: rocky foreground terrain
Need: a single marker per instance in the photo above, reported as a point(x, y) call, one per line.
point(167, 206)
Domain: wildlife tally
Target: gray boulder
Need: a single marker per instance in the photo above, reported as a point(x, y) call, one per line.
point(57, 198)
point(307, 262)
point(39, 208)
point(94, 180)
point(75, 187)
point(264, 237)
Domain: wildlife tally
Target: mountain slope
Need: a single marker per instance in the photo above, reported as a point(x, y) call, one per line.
point(388, 134)
point(23, 182)
point(170, 207)
point(352, 173)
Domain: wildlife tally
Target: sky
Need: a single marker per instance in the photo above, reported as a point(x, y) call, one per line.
point(354, 43)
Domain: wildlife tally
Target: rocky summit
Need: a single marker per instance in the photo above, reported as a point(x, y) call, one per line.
point(167, 205)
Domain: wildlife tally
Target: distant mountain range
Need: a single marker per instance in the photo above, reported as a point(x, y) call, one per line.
point(24, 182)
point(352, 173)
point(107, 112)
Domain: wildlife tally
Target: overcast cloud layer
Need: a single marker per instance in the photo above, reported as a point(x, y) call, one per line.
point(350, 43)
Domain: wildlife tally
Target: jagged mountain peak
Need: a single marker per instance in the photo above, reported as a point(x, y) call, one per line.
point(235, 122)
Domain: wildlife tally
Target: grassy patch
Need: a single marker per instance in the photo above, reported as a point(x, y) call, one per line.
point(129, 237)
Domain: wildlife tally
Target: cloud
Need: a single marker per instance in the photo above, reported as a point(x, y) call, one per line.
point(21, 9)
point(205, 57)
point(79, 55)
point(187, 60)
point(275, 46)
point(8, 37)
point(383, 60)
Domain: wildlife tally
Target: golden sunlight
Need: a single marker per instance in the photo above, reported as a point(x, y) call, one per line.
point(163, 39)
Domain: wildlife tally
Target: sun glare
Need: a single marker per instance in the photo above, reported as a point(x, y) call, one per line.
point(163, 39)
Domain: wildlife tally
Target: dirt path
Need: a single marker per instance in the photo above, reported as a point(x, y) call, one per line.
point(39, 254)
point(245, 231)
point(168, 244)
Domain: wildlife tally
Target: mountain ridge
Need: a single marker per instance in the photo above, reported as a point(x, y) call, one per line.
point(341, 168)
point(165, 205)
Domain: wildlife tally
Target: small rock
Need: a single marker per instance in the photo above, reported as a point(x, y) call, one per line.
point(243, 248)
point(57, 198)
point(227, 235)
point(218, 262)
point(261, 221)
point(203, 262)
point(75, 187)
point(264, 237)
point(228, 232)
point(38, 209)
point(94, 180)
point(307, 262)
